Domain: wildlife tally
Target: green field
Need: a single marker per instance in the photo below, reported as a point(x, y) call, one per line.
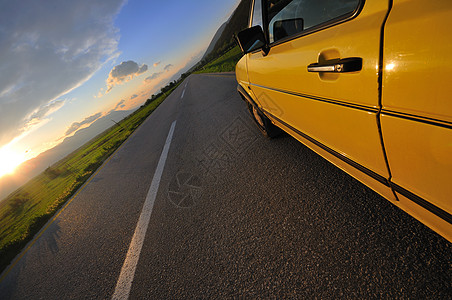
point(225, 63)
point(25, 211)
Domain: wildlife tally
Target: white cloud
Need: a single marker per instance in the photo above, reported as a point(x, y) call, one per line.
point(85, 123)
point(42, 113)
point(124, 72)
point(46, 50)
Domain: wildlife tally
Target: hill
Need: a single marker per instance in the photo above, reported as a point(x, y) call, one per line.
point(215, 39)
point(237, 22)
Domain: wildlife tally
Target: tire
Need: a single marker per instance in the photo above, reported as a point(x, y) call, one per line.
point(267, 128)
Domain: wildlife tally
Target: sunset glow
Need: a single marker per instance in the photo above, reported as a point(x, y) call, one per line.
point(103, 61)
point(9, 161)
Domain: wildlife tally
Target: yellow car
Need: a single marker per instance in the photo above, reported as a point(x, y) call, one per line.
point(365, 84)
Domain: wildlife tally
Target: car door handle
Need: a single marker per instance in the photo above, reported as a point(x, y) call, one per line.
point(351, 64)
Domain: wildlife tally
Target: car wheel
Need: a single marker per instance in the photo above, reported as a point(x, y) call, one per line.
point(263, 123)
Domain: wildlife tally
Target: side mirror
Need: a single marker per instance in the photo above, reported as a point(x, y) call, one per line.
point(251, 39)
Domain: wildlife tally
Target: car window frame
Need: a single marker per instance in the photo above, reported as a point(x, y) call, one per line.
point(250, 19)
point(322, 26)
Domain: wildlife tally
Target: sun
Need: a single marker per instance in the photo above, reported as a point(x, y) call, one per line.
point(9, 161)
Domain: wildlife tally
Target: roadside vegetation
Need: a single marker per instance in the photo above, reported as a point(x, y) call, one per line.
point(225, 63)
point(25, 211)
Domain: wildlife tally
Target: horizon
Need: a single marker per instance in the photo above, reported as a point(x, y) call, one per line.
point(101, 58)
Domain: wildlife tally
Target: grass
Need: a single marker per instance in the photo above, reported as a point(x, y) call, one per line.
point(225, 63)
point(25, 211)
point(28, 209)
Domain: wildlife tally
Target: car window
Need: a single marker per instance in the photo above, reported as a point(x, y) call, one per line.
point(257, 14)
point(290, 17)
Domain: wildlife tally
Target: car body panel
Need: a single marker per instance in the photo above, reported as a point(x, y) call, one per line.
point(241, 73)
point(417, 106)
point(339, 110)
point(417, 59)
point(351, 132)
point(420, 157)
point(388, 125)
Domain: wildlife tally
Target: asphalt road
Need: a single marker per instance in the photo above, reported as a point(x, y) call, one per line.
point(236, 215)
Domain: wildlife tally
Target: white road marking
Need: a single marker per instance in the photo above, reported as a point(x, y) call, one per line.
point(125, 280)
point(183, 93)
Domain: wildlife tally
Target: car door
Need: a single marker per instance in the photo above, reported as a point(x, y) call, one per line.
point(417, 108)
point(320, 77)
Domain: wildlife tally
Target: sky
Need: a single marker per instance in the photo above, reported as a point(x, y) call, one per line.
point(65, 64)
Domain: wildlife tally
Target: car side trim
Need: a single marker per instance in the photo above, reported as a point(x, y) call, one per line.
point(351, 162)
point(410, 117)
point(424, 203)
point(243, 94)
point(326, 100)
point(416, 199)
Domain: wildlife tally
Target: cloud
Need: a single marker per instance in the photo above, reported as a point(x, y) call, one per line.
point(167, 68)
point(120, 104)
point(157, 63)
point(133, 96)
point(156, 75)
point(124, 72)
point(153, 76)
point(85, 123)
point(42, 113)
point(45, 53)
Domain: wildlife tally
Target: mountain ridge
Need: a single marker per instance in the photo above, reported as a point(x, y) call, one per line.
point(236, 22)
point(215, 39)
